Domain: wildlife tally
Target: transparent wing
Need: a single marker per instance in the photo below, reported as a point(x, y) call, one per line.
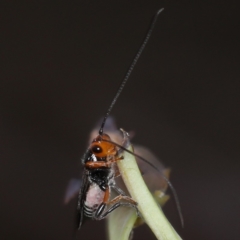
point(81, 199)
point(72, 190)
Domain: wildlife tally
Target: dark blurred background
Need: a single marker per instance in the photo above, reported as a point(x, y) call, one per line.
point(61, 65)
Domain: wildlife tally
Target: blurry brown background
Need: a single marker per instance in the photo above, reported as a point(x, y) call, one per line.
point(61, 65)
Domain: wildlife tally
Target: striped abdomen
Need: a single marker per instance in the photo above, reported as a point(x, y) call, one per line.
point(94, 198)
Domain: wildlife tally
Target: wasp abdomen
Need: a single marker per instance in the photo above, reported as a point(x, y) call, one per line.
point(94, 198)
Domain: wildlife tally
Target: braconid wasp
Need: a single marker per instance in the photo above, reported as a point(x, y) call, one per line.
point(100, 169)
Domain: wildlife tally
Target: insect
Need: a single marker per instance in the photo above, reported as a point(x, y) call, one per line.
point(99, 161)
point(98, 180)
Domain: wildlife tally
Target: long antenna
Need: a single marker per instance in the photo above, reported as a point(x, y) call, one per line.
point(130, 69)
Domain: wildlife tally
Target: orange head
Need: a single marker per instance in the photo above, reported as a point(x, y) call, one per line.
point(101, 148)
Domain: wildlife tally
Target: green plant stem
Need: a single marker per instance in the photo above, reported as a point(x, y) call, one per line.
point(147, 206)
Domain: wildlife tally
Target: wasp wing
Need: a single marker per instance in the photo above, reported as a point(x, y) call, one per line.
point(82, 198)
point(72, 190)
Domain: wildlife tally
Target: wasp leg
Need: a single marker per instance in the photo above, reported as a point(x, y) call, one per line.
point(103, 205)
point(118, 190)
point(117, 205)
point(125, 198)
point(129, 202)
point(115, 160)
point(116, 171)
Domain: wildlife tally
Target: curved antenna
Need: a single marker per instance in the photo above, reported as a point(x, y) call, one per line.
point(130, 69)
point(166, 179)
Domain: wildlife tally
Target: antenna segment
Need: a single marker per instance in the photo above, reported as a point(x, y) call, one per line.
point(130, 68)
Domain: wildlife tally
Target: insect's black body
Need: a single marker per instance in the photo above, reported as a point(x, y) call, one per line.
point(99, 179)
point(92, 178)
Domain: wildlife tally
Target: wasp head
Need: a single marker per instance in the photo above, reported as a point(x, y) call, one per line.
point(102, 148)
